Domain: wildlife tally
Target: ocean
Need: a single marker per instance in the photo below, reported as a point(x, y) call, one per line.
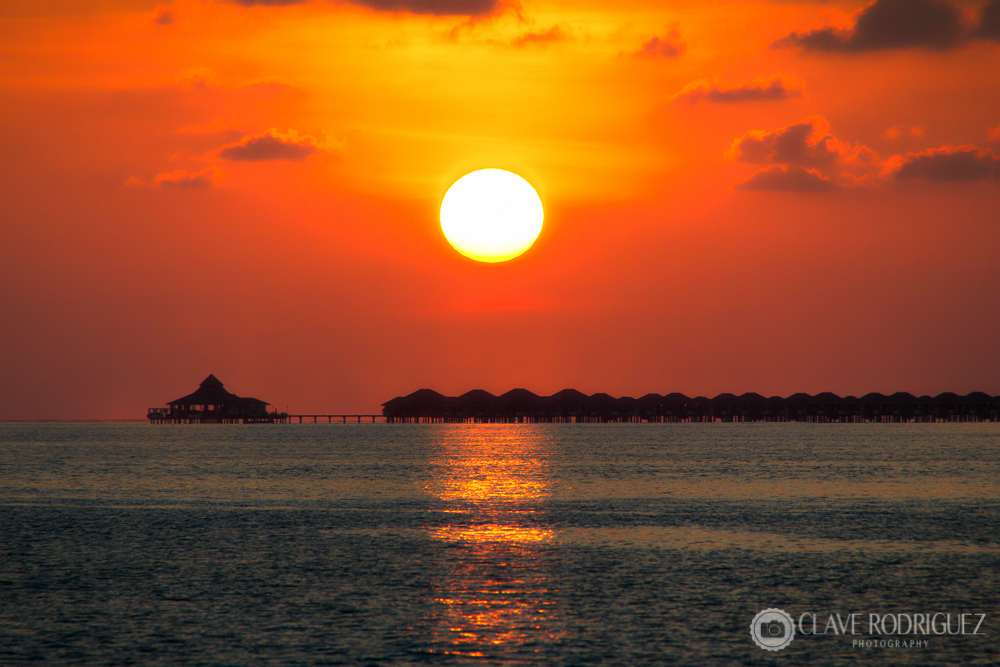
point(421, 544)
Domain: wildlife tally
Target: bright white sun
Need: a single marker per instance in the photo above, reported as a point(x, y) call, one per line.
point(491, 215)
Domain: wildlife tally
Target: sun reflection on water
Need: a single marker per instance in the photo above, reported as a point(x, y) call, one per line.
point(495, 596)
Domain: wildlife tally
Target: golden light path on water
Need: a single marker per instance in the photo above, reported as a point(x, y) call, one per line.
point(494, 592)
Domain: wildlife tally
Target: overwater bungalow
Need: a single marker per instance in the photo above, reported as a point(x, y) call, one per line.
point(212, 404)
point(570, 405)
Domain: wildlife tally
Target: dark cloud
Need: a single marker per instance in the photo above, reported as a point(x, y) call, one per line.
point(184, 179)
point(270, 145)
point(889, 24)
point(754, 91)
point(956, 164)
point(807, 144)
point(989, 21)
point(436, 7)
point(804, 157)
point(670, 46)
point(553, 34)
point(163, 16)
point(269, 3)
point(787, 179)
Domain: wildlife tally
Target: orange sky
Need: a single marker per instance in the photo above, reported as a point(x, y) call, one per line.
point(740, 196)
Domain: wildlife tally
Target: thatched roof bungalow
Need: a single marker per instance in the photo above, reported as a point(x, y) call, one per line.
point(570, 405)
point(211, 403)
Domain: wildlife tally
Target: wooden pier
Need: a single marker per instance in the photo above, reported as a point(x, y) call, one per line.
point(359, 419)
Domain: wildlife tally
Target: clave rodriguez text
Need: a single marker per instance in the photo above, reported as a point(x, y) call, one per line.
point(893, 624)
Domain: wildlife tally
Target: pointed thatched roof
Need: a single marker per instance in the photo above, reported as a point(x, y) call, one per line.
point(478, 397)
point(420, 398)
point(519, 396)
point(568, 397)
point(212, 392)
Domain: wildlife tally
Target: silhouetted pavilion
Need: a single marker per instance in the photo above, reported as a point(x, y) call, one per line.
point(212, 404)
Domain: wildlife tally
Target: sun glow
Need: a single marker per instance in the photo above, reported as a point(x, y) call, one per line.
point(491, 215)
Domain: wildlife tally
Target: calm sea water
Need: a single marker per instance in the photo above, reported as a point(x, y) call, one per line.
point(492, 544)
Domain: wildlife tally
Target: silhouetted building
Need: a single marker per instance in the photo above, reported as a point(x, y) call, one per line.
point(570, 405)
point(212, 404)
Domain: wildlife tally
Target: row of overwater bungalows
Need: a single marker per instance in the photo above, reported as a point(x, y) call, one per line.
point(570, 405)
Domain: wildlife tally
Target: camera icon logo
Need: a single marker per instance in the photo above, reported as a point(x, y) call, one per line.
point(772, 629)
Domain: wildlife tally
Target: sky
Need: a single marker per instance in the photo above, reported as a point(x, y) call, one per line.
point(774, 197)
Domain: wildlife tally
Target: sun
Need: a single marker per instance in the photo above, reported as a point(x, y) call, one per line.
point(491, 215)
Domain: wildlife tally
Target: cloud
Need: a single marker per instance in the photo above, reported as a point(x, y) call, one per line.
point(434, 7)
point(184, 179)
point(270, 145)
point(804, 157)
point(787, 179)
point(994, 133)
point(805, 144)
point(163, 16)
point(553, 34)
point(670, 46)
point(896, 131)
point(758, 90)
point(889, 24)
point(989, 21)
point(948, 164)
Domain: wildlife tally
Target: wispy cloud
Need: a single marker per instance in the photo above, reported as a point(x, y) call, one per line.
point(186, 179)
point(897, 131)
point(270, 145)
point(758, 90)
point(181, 179)
point(669, 46)
point(947, 164)
point(787, 179)
point(433, 7)
point(554, 34)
